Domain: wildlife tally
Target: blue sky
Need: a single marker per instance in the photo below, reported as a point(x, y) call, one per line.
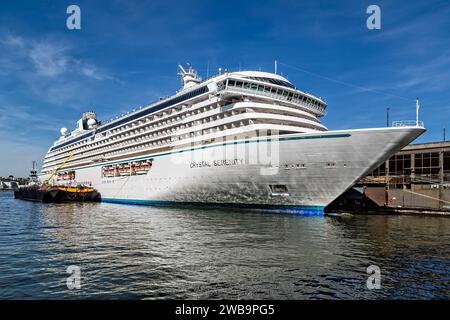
point(126, 55)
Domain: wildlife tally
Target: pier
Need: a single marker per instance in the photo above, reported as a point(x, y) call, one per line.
point(414, 180)
point(10, 183)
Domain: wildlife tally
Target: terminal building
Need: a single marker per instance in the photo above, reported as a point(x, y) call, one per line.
point(425, 164)
point(416, 178)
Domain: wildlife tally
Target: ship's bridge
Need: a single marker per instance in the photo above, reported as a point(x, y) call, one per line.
point(272, 86)
point(265, 77)
point(260, 74)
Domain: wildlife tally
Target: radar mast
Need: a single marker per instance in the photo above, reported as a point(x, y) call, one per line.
point(190, 77)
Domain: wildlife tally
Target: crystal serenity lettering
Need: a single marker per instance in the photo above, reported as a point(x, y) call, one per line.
point(217, 163)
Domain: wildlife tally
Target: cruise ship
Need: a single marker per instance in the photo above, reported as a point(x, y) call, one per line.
point(246, 139)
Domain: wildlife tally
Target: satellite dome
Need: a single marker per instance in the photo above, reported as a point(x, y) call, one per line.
point(63, 131)
point(91, 122)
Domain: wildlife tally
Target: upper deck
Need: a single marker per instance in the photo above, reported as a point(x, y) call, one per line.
point(275, 100)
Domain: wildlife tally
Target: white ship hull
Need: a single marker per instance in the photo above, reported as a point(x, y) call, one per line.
point(303, 173)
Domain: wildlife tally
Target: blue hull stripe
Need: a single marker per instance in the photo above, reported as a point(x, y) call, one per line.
point(299, 209)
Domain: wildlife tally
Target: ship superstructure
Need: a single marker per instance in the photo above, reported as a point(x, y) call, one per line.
point(136, 157)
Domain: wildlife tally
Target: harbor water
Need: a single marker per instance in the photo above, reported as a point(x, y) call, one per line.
point(138, 252)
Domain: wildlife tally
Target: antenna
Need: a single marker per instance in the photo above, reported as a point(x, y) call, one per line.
point(189, 77)
point(207, 70)
point(417, 112)
point(387, 116)
point(182, 69)
point(276, 66)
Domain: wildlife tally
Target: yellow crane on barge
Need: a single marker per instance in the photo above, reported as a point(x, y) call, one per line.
point(47, 181)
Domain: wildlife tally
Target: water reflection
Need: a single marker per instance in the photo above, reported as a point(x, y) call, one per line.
point(143, 252)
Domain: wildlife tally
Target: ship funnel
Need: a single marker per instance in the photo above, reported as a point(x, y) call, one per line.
point(190, 76)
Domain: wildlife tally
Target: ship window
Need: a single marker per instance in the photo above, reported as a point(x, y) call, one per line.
point(239, 84)
point(446, 165)
point(278, 189)
point(274, 81)
point(231, 83)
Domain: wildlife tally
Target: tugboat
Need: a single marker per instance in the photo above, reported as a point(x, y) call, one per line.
point(48, 193)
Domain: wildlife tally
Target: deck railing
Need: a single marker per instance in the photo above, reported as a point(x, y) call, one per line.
point(315, 109)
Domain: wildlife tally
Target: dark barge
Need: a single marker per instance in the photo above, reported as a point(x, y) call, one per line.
point(49, 194)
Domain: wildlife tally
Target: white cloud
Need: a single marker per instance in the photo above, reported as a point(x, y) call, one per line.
point(13, 41)
point(49, 60)
point(91, 71)
point(49, 70)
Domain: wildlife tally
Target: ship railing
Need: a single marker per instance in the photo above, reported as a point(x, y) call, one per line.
point(408, 123)
point(226, 71)
point(311, 107)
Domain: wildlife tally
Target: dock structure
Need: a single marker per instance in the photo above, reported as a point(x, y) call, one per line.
point(11, 183)
point(415, 179)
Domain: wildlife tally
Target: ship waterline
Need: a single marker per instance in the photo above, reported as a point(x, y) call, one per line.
point(243, 139)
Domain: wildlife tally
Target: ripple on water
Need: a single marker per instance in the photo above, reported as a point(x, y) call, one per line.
point(135, 252)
